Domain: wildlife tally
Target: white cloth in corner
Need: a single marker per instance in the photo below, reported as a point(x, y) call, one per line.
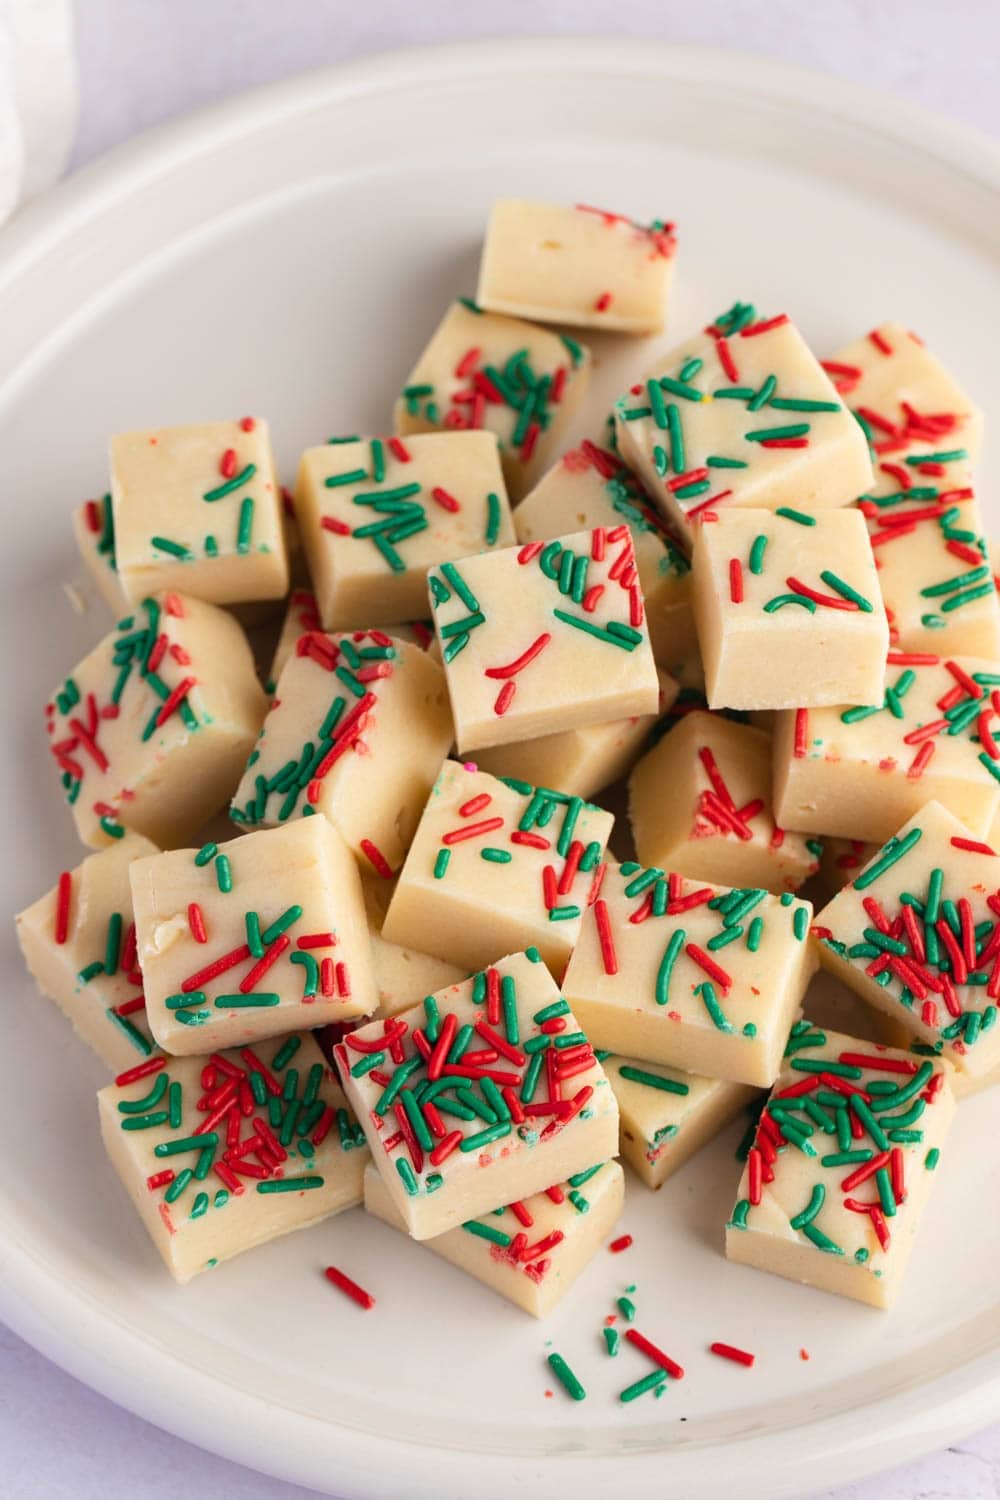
point(38, 97)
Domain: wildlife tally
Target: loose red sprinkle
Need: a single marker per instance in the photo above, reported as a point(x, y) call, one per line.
point(656, 1355)
point(738, 1356)
point(345, 1284)
point(621, 1243)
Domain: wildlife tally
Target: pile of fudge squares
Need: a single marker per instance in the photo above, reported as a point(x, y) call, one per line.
point(407, 971)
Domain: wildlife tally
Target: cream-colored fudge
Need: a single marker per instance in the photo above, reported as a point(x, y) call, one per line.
point(667, 1115)
point(496, 866)
point(221, 1153)
point(529, 1252)
point(577, 265)
point(702, 977)
point(301, 617)
point(741, 414)
point(841, 1167)
point(151, 731)
point(700, 804)
point(860, 772)
point(486, 1092)
point(78, 940)
point(917, 936)
point(357, 732)
point(589, 487)
point(514, 379)
point(788, 610)
point(199, 508)
point(94, 530)
point(403, 976)
point(375, 514)
point(903, 394)
point(252, 938)
point(542, 637)
point(580, 761)
point(934, 568)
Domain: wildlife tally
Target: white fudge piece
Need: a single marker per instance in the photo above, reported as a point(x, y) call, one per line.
point(94, 530)
point(741, 414)
point(841, 1168)
point(530, 1252)
point(512, 378)
point(916, 935)
point(546, 636)
point(221, 1153)
point(667, 1115)
point(496, 866)
point(376, 513)
point(578, 265)
point(701, 977)
point(859, 772)
point(152, 729)
point(486, 1092)
point(199, 508)
point(252, 938)
point(788, 610)
point(78, 940)
point(903, 394)
point(589, 487)
point(357, 731)
point(718, 822)
point(302, 618)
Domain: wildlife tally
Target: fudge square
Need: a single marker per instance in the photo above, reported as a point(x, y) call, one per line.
point(516, 380)
point(590, 487)
point(152, 730)
point(667, 1115)
point(741, 414)
point(933, 562)
point(788, 610)
point(199, 508)
point(224, 1152)
point(700, 977)
point(577, 265)
point(495, 866)
point(581, 760)
point(94, 530)
point(902, 394)
point(252, 938)
point(375, 514)
point(357, 731)
point(78, 941)
point(841, 1167)
point(859, 772)
point(916, 934)
point(530, 1251)
point(717, 823)
point(543, 637)
point(301, 617)
point(467, 1102)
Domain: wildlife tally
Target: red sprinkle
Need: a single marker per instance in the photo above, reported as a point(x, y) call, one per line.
point(446, 501)
point(227, 463)
point(801, 732)
point(504, 698)
point(738, 1356)
point(196, 922)
point(735, 581)
point(64, 892)
point(881, 343)
point(656, 1355)
point(345, 1284)
point(376, 859)
point(973, 846)
point(248, 423)
point(621, 1243)
point(608, 955)
point(603, 302)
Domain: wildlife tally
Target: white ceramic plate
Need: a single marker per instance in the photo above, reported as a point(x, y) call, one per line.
point(289, 253)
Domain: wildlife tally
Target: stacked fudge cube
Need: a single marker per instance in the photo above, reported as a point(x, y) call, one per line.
point(404, 969)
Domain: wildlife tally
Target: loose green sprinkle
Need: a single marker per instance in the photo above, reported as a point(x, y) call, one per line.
point(656, 1380)
point(932, 1158)
point(565, 1376)
point(627, 1308)
point(612, 1339)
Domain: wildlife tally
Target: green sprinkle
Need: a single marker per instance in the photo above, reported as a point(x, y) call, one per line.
point(223, 874)
point(255, 1000)
point(670, 955)
point(798, 516)
point(612, 1339)
point(627, 1309)
point(174, 549)
point(767, 434)
point(656, 1380)
point(245, 526)
point(846, 591)
point(206, 854)
point(280, 925)
point(811, 1209)
point(565, 1376)
point(710, 1001)
point(237, 482)
point(407, 1175)
point(895, 850)
point(780, 601)
point(757, 551)
point(494, 856)
point(653, 1080)
point(289, 1184)
point(485, 1137)
point(441, 863)
point(932, 1158)
point(487, 1232)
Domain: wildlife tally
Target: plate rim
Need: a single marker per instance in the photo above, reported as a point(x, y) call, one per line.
point(66, 1325)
